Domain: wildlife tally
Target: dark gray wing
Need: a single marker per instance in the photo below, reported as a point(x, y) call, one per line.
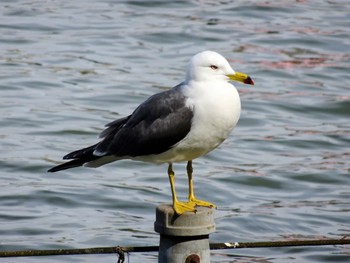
point(154, 127)
point(113, 127)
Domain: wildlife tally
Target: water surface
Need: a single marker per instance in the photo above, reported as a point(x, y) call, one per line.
point(69, 67)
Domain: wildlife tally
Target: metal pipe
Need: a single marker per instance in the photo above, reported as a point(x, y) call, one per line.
point(184, 238)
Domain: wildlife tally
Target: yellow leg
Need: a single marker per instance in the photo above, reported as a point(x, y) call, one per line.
point(179, 207)
point(192, 201)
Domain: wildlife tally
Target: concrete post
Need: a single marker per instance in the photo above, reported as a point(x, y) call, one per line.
point(184, 238)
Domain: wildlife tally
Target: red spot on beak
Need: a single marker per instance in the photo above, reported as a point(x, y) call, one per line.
point(248, 81)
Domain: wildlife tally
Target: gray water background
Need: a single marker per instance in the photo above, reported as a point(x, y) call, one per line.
point(69, 67)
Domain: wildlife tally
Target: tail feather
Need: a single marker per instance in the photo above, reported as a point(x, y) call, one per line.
point(80, 157)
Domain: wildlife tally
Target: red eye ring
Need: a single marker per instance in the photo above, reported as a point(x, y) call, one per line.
point(213, 67)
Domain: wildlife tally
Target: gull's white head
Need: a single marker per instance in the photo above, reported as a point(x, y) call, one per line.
point(208, 65)
point(211, 66)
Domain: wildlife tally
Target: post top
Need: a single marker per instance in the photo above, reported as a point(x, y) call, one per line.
point(188, 224)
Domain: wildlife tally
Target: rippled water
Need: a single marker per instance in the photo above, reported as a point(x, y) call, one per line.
point(69, 67)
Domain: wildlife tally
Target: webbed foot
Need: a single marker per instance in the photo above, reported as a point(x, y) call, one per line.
point(182, 207)
point(196, 202)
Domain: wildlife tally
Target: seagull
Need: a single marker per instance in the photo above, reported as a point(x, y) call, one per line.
point(176, 125)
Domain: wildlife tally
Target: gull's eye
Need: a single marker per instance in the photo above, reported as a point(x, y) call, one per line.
point(213, 67)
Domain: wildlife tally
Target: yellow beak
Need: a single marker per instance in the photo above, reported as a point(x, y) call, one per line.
point(241, 77)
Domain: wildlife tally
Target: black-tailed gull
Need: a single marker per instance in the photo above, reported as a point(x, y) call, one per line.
point(176, 125)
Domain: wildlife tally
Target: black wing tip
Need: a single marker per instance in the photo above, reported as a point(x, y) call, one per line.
point(60, 167)
point(56, 168)
point(67, 165)
point(52, 170)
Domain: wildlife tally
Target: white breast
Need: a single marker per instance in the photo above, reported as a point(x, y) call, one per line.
point(216, 112)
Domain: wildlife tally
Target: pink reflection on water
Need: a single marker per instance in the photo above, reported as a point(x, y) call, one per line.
point(324, 61)
point(286, 3)
point(298, 58)
point(277, 29)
